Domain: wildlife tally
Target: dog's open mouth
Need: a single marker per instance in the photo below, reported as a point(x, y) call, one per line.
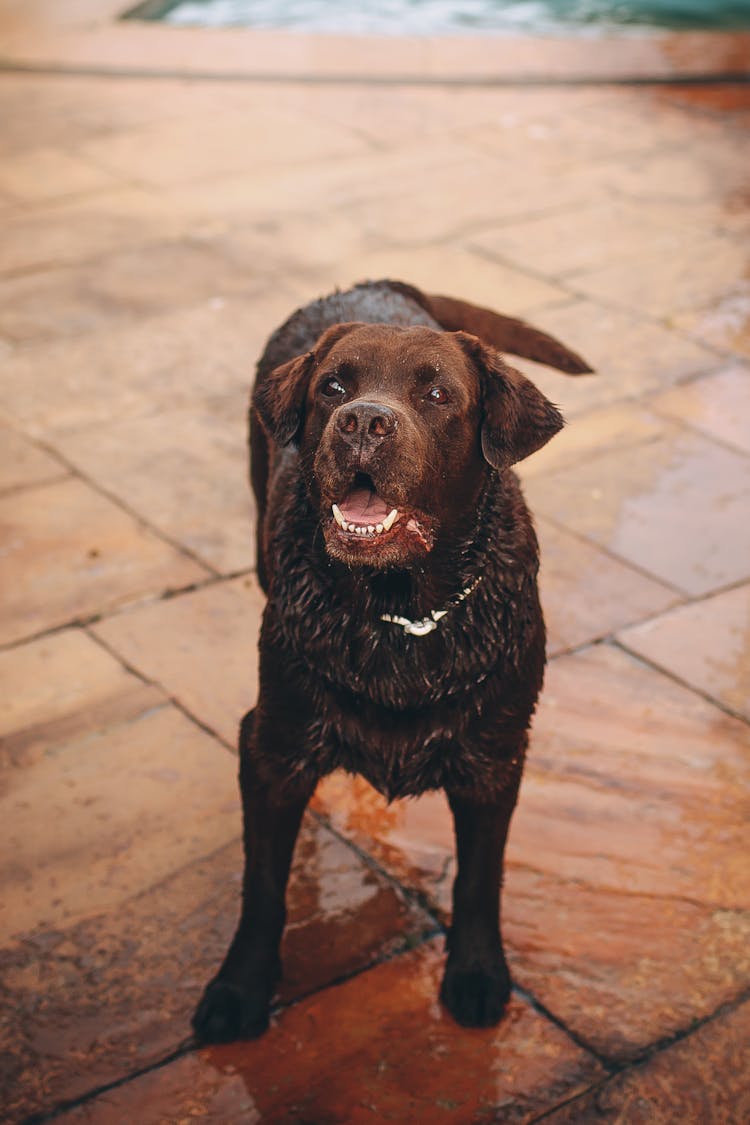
point(364, 516)
point(363, 512)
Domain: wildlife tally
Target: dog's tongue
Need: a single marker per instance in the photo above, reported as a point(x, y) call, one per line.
point(363, 505)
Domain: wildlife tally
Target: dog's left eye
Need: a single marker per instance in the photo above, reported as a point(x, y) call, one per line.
point(438, 395)
point(332, 388)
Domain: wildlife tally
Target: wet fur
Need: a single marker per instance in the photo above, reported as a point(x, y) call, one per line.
point(341, 689)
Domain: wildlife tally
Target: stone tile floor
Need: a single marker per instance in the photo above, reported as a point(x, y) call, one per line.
point(153, 230)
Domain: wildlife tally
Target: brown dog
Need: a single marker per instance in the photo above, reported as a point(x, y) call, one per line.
point(403, 638)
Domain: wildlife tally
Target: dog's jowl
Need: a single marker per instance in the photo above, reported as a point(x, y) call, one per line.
point(402, 637)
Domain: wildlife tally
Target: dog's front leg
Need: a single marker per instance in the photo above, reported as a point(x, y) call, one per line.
point(237, 1001)
point(476, 984)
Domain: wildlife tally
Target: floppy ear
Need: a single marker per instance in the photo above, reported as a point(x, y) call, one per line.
point(279, 395)
point(517, 418)
point(279, 398)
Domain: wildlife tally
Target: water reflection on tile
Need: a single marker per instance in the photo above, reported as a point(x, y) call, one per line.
point(379, 1048)
point(626, 879)
point(677, 510)
point(119, 987)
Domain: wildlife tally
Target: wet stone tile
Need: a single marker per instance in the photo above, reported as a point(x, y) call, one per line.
point(142, 281)
point(725, 323)
point(620, 427)
point(185, 471)
point(116, 809)
point(677, 510)
point(690, 276)
point(635, 784)
point(626, 883)
point(90, 1003)
point(62, 687)
point(582, 238)
point(165, 154)
point(185, 359)
point(585, 592)
point(22, 463)
point(77, 229)
point(453, 270)
point(631, 356)
point(41, 174)
point(378, 1048)
point(703, 1078)
point(201, 647)
point(706, 644)
point(718, 405)
point(70, 553)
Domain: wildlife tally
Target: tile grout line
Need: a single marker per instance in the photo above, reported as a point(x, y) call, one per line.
point(141, 520)
point(656, 667)
point(611, 640)
point(567, 281)
point(169, 697)
point(653, 1051)
point(306, 78)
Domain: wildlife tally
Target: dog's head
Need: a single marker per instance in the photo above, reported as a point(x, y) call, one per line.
point(397, 429)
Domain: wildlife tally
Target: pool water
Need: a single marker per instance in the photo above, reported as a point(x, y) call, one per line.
point(454, 17)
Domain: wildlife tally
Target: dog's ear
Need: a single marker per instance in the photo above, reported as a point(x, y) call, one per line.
point(279, 398)
point(517, 419)
point(279, 395)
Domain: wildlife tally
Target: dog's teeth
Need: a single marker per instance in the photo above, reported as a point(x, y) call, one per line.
point(390, 519)
point(338, 517)
point(378, 528)
point(370, 529)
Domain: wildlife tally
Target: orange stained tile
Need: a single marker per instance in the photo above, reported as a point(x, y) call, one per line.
point(71, 553)
point(202, 647)
point(703, 1078)
point(377, 1048)
point(706, 644)
point(622, 970)
point(727, 98)
point(633, 783)
point(626, 878)
point(99, 999)
point(678, 510)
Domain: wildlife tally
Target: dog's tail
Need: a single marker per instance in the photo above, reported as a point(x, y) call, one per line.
point(506, 333)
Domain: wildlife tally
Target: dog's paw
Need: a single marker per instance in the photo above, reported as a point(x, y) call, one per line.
point(226, 1013)
point(475, 996)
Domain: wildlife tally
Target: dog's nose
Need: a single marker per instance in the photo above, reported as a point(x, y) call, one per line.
point(366, 422)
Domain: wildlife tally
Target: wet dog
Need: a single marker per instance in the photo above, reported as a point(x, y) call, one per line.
point(402, 638)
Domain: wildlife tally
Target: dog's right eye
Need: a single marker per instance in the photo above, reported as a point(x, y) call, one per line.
point(332, 388)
